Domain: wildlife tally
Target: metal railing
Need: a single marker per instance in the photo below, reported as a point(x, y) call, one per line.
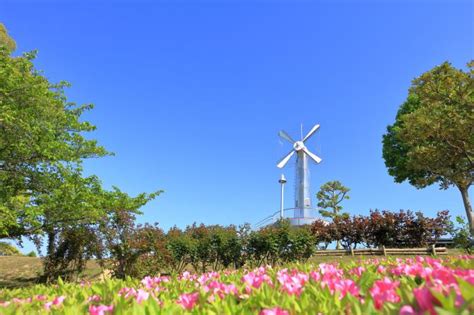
point(274, 217)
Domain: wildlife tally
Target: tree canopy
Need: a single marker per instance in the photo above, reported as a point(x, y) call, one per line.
point(432, 138)
point(40, 134)
point(330, 197)
point(42, 146)
point(5, 39)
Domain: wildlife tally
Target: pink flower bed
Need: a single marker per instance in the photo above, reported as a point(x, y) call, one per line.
point(422, 285)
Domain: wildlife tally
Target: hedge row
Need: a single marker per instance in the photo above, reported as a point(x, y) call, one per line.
point(384, 228)
point(138, 250)
point(213, 247)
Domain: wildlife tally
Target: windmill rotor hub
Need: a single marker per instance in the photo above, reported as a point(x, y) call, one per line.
point(298, 146)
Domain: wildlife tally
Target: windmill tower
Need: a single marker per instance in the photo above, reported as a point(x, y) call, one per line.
point(303, 208)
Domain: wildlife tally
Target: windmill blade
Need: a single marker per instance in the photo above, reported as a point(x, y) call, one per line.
point(285, 160)
point(311, 132)
point(316, 158)
point(284, 135)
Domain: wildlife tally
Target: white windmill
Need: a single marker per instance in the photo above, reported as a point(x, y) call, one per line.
point(302, 211)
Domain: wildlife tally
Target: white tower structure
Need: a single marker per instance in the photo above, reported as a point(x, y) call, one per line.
point(303, 208)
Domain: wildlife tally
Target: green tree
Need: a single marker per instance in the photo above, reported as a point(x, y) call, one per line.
point(461, 235)
point(330, 197)
point(179, 246)
point(68, 209)
point(40, 133)
point(5, 39)
point(123, 243)
point(432, 138)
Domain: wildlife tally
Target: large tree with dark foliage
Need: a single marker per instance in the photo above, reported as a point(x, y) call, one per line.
point(432, 138)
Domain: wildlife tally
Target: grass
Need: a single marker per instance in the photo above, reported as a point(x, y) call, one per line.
point(22, 271)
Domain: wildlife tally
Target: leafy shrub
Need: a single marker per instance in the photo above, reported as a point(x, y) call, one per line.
point(68, 251)
point(31, 254)
point(134, 250)
point(150, 241)
point(8, 250)
point(405, 229)
point(281, 242)
point(383, 228)
point(462, 236)
point(323, 232)
point(118, 232)
point(200, 246)
point(351, 231)
point(179, 246)
point(226, 248)
point(301, 244)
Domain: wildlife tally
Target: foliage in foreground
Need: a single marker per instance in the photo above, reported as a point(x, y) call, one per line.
point(392, 286)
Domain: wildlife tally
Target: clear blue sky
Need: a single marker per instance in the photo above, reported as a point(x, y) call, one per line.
point(190, 97)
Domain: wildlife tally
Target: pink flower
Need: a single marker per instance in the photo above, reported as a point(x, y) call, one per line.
point(357, 271)
point(292, 288)
point(208, 276)
point(100, 309)
point(408, 310)
point(293, 282)
point(384, 291)
point(5, 304)
point(274, 311)
point(151, 283)
point(56, 302)
point(94, 298)
point(187, 276)
point(141, 296)
point(346, 286)
point(188, 300)
point(426, 301)
point(41, 297)
point(330, 271)
point(127, 292)
point(221, 289)
point(255, 280)
point(230, 289)
point(467, 275)
point(445, 275)
point(381, 269)
point(316, 276)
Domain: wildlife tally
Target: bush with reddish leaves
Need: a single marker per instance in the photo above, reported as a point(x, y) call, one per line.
point(383, 228)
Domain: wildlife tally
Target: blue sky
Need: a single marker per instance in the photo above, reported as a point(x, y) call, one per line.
point(190, 95)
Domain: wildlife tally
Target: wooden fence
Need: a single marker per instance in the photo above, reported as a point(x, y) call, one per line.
point(432, 250)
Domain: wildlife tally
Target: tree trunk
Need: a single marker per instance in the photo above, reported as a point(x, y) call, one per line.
point(51, 247)
point(467, 207)
point(49, 273)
